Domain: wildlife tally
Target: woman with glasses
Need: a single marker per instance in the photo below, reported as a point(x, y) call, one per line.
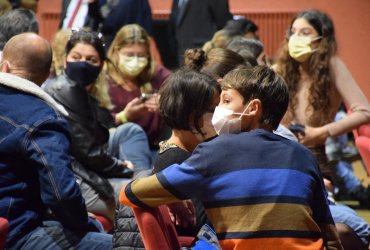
point(134, 80)
point(102, 160)
point(318, 82)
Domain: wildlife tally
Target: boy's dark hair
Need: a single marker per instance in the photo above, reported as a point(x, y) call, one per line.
point(15, 22)
point(261, 83)
point(185, 97)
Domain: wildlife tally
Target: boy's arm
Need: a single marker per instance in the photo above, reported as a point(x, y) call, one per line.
point(145, 192)
point(177, 182)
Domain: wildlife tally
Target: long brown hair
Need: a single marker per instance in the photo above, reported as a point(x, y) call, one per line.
point(129, 35)
point(318, 67)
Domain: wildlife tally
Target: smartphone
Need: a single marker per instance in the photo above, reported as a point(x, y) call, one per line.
point(145, 96)
point(297, 128)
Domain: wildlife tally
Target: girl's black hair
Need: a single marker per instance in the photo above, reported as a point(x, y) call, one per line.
point(185, 97)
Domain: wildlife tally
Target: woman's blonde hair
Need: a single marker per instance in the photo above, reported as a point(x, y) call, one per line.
point(130, 34)
point(100, 91)
point(58, 45)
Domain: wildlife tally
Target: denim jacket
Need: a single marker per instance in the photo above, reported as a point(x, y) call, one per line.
point(35, 171)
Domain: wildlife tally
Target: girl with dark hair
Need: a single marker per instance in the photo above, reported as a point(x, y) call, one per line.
point(99, 157)
point(318, 81)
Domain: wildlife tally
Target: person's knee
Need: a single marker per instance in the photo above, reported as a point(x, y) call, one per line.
point(349, 238)
point(130, 129)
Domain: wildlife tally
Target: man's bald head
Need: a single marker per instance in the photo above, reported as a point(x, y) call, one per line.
point(29, 56)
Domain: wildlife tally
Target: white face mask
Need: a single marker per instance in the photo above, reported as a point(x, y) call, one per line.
point(132, 65)
point(223, 124)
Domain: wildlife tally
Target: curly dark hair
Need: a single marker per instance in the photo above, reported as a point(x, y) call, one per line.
point(318, 67)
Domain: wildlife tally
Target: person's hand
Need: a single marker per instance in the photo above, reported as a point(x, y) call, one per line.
point(91, 215)
point(182, 213)
point(127, 169)
point(328, 185)
point(152, 103)
point(134, 109)
point(313, 136)
point(126, 164)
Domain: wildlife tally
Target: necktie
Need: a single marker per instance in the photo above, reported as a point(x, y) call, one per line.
point(74, 14)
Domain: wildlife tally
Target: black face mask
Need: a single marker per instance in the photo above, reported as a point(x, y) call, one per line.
point(83, 73)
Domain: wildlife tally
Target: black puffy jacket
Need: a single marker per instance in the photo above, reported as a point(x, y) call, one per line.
point(126, 234)
point(88, 123)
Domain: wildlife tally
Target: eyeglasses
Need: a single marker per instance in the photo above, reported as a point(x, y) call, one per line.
point(139, 55)
point(94, 33)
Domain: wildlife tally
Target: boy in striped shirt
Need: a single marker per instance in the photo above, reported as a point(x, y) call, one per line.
point(260, 190)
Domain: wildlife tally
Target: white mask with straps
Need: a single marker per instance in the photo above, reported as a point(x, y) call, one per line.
point(223, 124)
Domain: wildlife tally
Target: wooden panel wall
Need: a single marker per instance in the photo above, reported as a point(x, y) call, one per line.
point(351, 19)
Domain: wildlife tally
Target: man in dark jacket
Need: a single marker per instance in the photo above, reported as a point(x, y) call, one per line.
point(39, 195)
point(194, 22)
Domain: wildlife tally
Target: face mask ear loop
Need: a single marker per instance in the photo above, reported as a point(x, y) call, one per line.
point(317, 38)
point(241, 114)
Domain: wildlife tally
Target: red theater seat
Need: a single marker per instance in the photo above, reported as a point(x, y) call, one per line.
point(4, 226)
point(157, 229)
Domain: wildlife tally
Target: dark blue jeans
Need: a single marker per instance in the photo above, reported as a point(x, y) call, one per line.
point(51, 235)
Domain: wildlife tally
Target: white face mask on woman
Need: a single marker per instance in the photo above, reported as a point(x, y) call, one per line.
point(132, 66)
point(223, 124)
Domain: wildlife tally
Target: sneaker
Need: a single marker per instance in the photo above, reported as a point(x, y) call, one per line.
point(350, 154)
point(361, 194)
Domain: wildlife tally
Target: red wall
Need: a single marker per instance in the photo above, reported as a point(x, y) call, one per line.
point(351, 20)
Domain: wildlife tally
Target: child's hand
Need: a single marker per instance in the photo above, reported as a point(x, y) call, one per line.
point(182, 213)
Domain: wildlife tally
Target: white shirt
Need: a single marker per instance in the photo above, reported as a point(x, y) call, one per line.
point(80, 18)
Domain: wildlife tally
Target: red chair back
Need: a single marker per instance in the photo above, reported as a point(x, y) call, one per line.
point(364, 130)
point(363, 146)
point(158, 231)
point(107, 224)
point(156, 228)
point(4, 227)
